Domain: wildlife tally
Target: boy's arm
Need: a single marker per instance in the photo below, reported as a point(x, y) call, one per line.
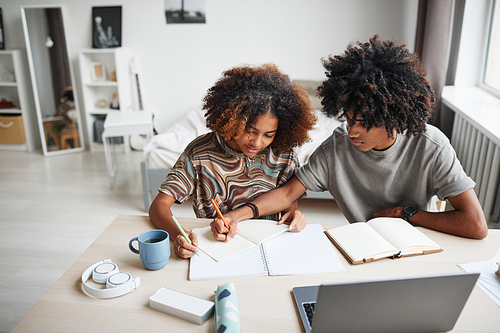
point(466, 220)
point(272, 202)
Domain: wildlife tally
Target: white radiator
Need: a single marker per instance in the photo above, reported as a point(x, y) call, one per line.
point(480, 158)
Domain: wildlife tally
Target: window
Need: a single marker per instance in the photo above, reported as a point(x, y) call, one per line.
point(491, 77)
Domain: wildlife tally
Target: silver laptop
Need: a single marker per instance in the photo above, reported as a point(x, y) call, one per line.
point(422, 304)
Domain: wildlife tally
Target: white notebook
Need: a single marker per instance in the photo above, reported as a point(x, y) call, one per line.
point(250, 234)
point(305, 252)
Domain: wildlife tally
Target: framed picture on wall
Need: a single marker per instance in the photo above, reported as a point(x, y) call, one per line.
point(2, 41)
point(185, 11)
point(106, 27)
point(98, 72)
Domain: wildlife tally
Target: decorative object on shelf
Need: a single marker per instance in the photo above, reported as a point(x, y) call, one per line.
point(112, 76)
point(114, 102)
point(106, 27)
point(181, 12)
point(98, 71)
point(101, 104)
point(2, 41)
point(5, 104)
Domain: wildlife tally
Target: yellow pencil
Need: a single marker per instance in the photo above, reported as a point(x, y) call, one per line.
point(219, 213)
point(182, 232)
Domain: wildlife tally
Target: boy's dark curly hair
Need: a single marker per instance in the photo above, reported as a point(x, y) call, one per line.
point(381, 81)
point(242, 94)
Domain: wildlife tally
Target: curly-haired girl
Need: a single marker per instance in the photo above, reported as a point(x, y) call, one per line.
point(257, 116)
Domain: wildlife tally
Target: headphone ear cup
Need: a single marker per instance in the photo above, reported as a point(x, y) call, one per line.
point(102, 272)
point(118, 279)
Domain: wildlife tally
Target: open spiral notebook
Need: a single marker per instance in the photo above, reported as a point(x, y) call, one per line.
point(287, 253)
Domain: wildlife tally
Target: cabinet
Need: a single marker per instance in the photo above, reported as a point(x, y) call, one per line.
point(105, 75)
point(18, 127)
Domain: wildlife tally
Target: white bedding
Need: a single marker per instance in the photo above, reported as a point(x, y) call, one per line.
point(164, 149)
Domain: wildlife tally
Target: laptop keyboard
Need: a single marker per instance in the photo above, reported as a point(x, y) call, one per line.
point(309, 309)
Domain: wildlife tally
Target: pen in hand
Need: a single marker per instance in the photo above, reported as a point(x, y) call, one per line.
point(219, 213)
point(182, 232)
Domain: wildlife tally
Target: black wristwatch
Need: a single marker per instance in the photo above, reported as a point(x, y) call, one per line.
point(408, 211)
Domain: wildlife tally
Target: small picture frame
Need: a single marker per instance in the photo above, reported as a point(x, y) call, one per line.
point(98, 71)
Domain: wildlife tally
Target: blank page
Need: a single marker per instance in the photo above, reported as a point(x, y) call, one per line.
point(305, 252)
point(220, 250)
point(360, 241)
point(246, 264)
point(257, 231)
point(402, 234)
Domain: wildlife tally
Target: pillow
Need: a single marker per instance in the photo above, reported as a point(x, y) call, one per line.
point(179, 135)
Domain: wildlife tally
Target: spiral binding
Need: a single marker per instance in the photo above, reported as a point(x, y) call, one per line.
point(263, 256)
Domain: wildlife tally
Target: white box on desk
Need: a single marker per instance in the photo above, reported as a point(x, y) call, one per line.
point(181, 305)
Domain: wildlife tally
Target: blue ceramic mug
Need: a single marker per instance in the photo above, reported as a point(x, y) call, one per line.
point(154, 248)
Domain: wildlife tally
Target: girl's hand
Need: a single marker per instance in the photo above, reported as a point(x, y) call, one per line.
point(221, 232)
point(182, 247)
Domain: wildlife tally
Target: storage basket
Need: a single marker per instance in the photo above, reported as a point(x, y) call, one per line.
point(12, 129)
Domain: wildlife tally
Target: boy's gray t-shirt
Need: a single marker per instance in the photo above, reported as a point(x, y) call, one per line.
point(409, 173)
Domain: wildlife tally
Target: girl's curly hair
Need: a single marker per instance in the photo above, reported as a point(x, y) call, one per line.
point(381, 81)
point(242, 94)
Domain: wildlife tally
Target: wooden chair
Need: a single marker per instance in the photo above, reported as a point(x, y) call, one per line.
point(49, 132)
point(67, 134)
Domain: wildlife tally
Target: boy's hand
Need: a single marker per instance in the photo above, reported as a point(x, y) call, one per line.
point(298, 220)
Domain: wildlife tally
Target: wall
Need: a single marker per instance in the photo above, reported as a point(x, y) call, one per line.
point(180, 62)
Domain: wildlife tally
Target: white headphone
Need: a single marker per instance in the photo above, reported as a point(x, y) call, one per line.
point(117, 284)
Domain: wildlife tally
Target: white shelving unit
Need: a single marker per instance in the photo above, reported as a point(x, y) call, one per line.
point(16, 89)
point(114, 60)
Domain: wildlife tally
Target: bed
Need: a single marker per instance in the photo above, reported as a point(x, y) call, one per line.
point(162, 151)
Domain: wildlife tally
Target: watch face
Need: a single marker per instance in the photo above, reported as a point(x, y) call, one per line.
point(410, 210)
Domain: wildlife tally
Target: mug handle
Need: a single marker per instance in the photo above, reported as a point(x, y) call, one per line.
point(131, 247)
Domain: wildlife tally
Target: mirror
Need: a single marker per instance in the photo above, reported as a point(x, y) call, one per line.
point(52, 78)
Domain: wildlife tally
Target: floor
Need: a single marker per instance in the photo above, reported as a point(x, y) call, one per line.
point(53, 208)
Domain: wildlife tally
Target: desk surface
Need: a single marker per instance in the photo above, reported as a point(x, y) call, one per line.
point(265, 303)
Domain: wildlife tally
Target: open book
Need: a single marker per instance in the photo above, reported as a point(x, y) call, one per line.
point(382, 237)
point(250, 234)
point(305, 252)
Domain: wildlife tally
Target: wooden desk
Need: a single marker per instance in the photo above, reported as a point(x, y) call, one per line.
point(265, 303)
